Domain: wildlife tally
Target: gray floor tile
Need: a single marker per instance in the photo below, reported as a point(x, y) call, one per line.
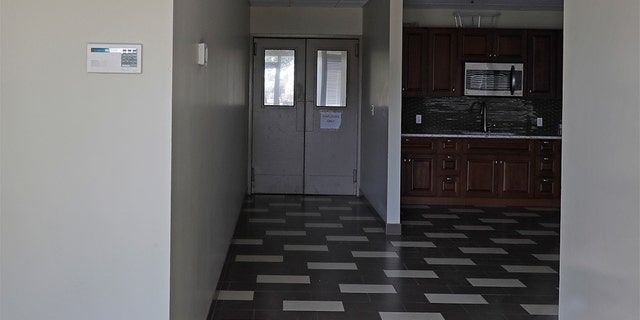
point(374, 254)
point(366, 288)
point(373, 230)
point(441, 216)
point(541, 309)
point(410, 316)
point(286, 233)
point(543, 209)
point(550, 225)
point(348, 238)
point(357, 218)
point(316, 199)
point(521, 214)
point(547, 257)
point(305, 247)
point(528, 269)
point(250, 242)
point(502, 283)
point(446, 235)
point(499, 220)
point(537, 232)
point(303, 214)
point(267, 220)
point(234, 295)
point(255, 210)
point(284, 204)
point(473, 228)
point(413, 244)
point(465, 210)
point(319, 306)
point(331, 266)
point(264, 278)
point(451, 298)
point(416, 223)
point(512, 241)
point(474, 250)
point(335, 208)
point(427, 274)
point(259, 258)
point(450, 261)
point(323, 225)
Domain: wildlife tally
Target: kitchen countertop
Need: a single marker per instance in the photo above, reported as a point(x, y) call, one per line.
point(491, 135)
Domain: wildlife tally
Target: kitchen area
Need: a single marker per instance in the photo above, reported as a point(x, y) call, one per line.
point(481, 115)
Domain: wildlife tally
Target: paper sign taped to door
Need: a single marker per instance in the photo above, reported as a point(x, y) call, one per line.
point(330, 120)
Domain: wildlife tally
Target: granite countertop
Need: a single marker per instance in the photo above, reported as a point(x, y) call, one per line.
point(493, 135)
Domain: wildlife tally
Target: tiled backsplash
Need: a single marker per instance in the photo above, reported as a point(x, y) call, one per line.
point(451, 115)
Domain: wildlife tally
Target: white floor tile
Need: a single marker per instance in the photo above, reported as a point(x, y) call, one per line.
point(331, 266)
point(413, 244)
point(259, 258)
point(410, 316)
point(234, 295)
point(547, 257)
point(426, 274)
point(374, 254)
point(541, 309)
point(451, 298)
point(262, 278)
point(450, 261)
point(319, 306)
point(474, 250)
point(305, 247)
point(529, 269)
point(501, 283)
point(445, 235)
point(367, 288)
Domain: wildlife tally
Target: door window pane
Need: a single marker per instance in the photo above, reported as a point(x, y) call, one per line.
point(279, 67)
point(331, 79)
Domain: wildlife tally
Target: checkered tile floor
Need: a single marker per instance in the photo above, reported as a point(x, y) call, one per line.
point(296, 257)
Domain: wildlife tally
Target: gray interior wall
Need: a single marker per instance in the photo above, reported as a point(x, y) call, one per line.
point(381, 107)
point(306, 21)
point(85, 162)
point(209, 156)
point(600, 227)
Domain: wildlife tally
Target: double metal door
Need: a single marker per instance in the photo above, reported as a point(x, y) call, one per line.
point(305, 116)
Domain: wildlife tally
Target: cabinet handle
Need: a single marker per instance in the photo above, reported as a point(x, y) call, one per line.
point(546, 159)
point(449, 179)
point(453, 89)
point(449, 157)
point(545, 142)
point(545, 180)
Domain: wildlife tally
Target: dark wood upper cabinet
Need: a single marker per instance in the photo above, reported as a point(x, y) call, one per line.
point(414, 62)
point(442, 67)
point(542, 63)
point(492, 45)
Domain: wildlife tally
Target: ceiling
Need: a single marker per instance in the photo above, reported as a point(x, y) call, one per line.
point(426, 4)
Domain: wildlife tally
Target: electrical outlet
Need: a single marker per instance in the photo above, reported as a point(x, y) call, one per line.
point(539, 122)
point(418, 118)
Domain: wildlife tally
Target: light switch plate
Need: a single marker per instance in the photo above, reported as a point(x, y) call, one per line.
point(539, 122)
point(418, 118)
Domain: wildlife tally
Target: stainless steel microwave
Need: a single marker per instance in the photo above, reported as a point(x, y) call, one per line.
point(493, 79)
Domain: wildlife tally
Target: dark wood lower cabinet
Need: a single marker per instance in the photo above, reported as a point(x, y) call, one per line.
point(482, 171)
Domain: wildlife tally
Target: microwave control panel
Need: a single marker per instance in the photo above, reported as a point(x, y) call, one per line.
point(114, 58)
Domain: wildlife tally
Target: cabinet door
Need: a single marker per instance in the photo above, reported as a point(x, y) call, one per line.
point(509, 46)
point(480, 176)
point(442, 67)
point(475, 45)
point(515, 177)
point(405, 171)
point(541, 69)
point(414, 62)
point(421, 175)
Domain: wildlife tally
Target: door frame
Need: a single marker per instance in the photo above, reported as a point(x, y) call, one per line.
point(358, 103)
